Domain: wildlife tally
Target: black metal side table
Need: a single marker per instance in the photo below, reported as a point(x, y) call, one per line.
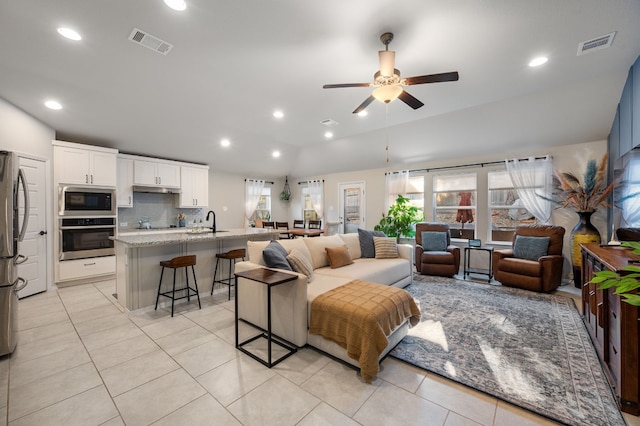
point(270, 279)
point(482, 271)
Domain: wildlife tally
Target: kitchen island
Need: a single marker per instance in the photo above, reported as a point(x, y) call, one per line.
point(138, 260)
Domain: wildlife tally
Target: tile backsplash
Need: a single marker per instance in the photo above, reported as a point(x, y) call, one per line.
point(161, 210)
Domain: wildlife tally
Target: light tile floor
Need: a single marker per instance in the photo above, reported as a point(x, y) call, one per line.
point(82, 361)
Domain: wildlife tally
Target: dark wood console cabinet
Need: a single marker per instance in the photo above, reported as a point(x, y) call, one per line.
point(612, 324)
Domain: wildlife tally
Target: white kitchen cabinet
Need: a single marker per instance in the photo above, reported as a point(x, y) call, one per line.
point(125, 182)
point(77, 165)
point(70, 270)
point(194, 186)
point(155, 173)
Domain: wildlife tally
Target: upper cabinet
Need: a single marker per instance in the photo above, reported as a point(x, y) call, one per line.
point(195, 186)
point(125, 182)
point(77, 164)
point(156, 173)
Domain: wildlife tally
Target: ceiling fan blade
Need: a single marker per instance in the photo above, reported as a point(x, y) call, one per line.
point(387, 62)
point(432, 78)
point(365, 104)
point(337, 86)
point(410, 100)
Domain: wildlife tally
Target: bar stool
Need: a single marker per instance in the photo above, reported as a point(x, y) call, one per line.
point(175, 263)
point(231, 256)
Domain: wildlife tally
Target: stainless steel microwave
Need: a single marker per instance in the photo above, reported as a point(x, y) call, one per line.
point(83, 201)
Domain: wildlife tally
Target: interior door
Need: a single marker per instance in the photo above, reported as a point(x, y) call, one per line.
point(34, 244)
point(352, 206)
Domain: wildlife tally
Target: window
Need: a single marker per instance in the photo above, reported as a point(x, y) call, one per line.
point(415, 192)
point(455, 203)
point(308, 212)
point(505, 208)
point(263, 210)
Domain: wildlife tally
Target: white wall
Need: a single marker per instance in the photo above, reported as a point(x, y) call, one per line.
point(22, 133)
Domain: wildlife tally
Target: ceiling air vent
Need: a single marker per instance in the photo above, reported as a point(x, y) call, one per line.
point(329, 122)
point(597, 43)
point(150, 42)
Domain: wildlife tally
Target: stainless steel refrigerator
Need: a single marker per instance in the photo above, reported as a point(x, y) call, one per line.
point(13, 190)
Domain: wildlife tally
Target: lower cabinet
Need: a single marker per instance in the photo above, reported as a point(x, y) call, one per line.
point(612, 325)
point(69, 270)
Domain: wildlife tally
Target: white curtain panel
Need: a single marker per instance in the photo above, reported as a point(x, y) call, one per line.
point(253, 191)
point(395, 183)
point(533, 177)
point(631, 188)
point(316, 191)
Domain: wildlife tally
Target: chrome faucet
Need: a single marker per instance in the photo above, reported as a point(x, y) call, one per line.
point(213, 226)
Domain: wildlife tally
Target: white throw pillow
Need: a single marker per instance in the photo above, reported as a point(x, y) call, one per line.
point(317, 245)
point(254, 251)
point(353, 243)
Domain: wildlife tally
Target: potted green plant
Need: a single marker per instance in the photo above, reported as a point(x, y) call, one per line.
point(625, 284)
point(400, 219)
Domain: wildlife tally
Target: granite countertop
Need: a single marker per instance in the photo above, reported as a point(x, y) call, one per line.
point(187, 237)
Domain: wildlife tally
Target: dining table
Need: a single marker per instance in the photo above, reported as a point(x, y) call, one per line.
point(305, 232)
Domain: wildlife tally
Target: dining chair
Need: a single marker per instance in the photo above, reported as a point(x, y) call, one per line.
point(297, 223)
point(285, 226)
point(315, 224)
point(268, 225)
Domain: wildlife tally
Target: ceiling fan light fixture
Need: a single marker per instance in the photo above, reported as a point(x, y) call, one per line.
point(388, 93)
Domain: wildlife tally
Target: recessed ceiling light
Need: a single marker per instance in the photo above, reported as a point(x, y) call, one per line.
point(69, 33)
point(225, 142)
point(51, 104)
point(540, 60)
point(328, 135)
point(363, 113)
point(278, 114)
point(176, 4)
point(276, 154)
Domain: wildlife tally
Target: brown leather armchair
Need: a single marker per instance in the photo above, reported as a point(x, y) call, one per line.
point(542, 275)
point(443, 263)
point(628, 234)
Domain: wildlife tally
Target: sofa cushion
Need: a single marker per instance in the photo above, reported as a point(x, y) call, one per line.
point(338, 256)
point(366, 242)
point(530, 248)
point(300, 263)
point(386, 247)
point(317, 245)
point(434, 241)
point(353, 244)
point(254, 251)
point(381, 271)
point(275, 256)
point(518, 266)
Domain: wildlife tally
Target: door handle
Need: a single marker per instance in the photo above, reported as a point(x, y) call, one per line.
point(42, 233)
point(25, 190)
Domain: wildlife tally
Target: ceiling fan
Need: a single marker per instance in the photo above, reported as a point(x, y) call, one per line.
point(388, 82)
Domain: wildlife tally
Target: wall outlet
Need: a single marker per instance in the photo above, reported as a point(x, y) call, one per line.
point(123, 224)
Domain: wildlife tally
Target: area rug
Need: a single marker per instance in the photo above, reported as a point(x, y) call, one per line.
point(526, 348)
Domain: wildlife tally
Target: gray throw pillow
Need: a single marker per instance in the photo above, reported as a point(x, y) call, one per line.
point(367, 247)
point(275, 256)
point(530, 248)
point(434, 241)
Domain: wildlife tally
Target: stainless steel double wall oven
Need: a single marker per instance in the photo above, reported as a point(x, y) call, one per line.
point(87, 218)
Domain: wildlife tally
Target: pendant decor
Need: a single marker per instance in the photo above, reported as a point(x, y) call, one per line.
point(583, 233)
point(285, 195)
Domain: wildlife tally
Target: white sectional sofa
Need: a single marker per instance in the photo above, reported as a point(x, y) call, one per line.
point(291, 301)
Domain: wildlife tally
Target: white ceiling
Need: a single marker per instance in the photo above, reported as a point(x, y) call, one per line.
point(234, 62)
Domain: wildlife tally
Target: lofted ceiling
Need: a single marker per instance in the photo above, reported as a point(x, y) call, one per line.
point(234, 62)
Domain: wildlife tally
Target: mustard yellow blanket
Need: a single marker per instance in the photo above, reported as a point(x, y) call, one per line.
point(359, 316)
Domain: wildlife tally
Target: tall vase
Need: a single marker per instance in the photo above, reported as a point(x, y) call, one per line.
point(584, 232)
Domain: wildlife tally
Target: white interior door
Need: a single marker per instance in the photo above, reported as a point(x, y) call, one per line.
point(34, 244)
point(352, 203)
